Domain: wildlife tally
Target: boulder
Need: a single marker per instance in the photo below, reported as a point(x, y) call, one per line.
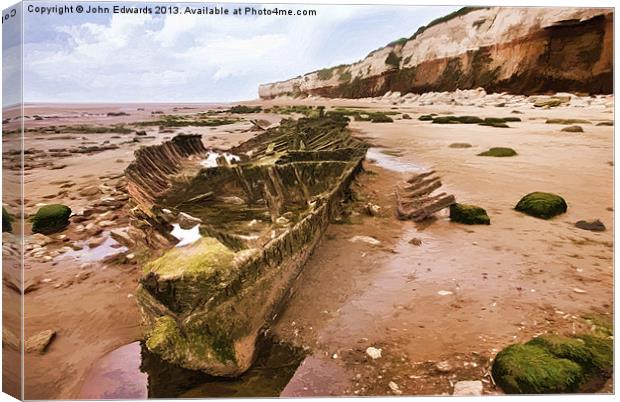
point(499, 152)
point(469, 214)
point(572, 129)
point(554, 364)
point(542, 205)
point(595, 225)
point(51, 219)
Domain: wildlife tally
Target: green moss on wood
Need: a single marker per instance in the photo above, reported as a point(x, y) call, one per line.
point(51, 219)
point(499, 152)
point(204, 256)
point(542, 205)
point(469, 214)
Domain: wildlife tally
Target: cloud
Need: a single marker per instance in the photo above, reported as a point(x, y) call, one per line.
point(196, 57)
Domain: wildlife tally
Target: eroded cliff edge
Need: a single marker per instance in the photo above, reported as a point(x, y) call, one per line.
point(517, 50)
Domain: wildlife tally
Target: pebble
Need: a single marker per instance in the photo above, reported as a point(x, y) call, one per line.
point(373, 352)
point(444, 293)
point(468, 388)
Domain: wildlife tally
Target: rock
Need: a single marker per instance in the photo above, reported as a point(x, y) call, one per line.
point(594, 225)
point(373, 352)
point(394, 387)
point(542, 205)
point(578, 290)
point(365, 239)
point(372, 209)
point(93, 229)
point(40, 342)
point(122, 237)
point(39, 239)
point(106, 223)
point(141, 133)
point(415, 241)
point(552, 101)
point(232, 200)
point(573, 129)
point(406, 116)
point(499, 152)
point(96, 242)
point(443, 366)
point(186, 221)
point(445, 293)
point(90, 191)
point(51, 219)
point(469, 214)
point(468, 388)
point(282, 221)
point(553, 364)
point(460, 145)
point(7, 221)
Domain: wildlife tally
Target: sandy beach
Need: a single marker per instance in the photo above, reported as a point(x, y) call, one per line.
point(439, 308)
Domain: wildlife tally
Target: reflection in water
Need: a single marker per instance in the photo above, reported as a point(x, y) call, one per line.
point(391, 162)
point(132, 372)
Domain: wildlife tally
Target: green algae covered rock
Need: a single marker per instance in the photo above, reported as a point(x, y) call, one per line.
point(51, 219)
point(425, 117)
point(469, 214)
point(7, 221)
point(554, 364)
point(542, 205)
point(379, 117)
point(499, 152)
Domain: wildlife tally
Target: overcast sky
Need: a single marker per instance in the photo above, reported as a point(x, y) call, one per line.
point(185, 58)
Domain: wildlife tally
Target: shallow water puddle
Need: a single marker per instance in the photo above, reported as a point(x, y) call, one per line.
point(390, 162)
point(132, 372)
point(211, 159)
point(185, 236)
point(107, 249)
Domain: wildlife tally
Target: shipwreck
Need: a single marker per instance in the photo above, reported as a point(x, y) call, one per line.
point(259, 210)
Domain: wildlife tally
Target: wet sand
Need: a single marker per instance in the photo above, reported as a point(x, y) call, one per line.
point(508, 281)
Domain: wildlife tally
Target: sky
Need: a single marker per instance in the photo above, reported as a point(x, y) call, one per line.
point(195, 58)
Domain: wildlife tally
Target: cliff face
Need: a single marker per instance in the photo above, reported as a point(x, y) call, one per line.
point(517, 50)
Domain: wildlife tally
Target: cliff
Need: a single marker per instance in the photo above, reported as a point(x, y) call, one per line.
point(516, 50)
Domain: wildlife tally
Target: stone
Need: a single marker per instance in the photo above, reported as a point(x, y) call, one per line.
point(122, 237)
point(89, 191)
point(96, 242)
point(372, 209)
point(415, 241)
point(51, 219)
point(594, 225)
point(443, 366)
point(186, 221)
point(542, 205)
point(373, 352)
point(460, 145)
point(394, 388)
point(365, 239)
point(40, 342)
point(573, 129)
point(468, 388)
point(469, 214)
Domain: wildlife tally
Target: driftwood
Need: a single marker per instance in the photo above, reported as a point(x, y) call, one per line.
point(416, 201)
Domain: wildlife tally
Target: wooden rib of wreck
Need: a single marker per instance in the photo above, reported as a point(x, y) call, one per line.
point(416, 200)
point(204, 305)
